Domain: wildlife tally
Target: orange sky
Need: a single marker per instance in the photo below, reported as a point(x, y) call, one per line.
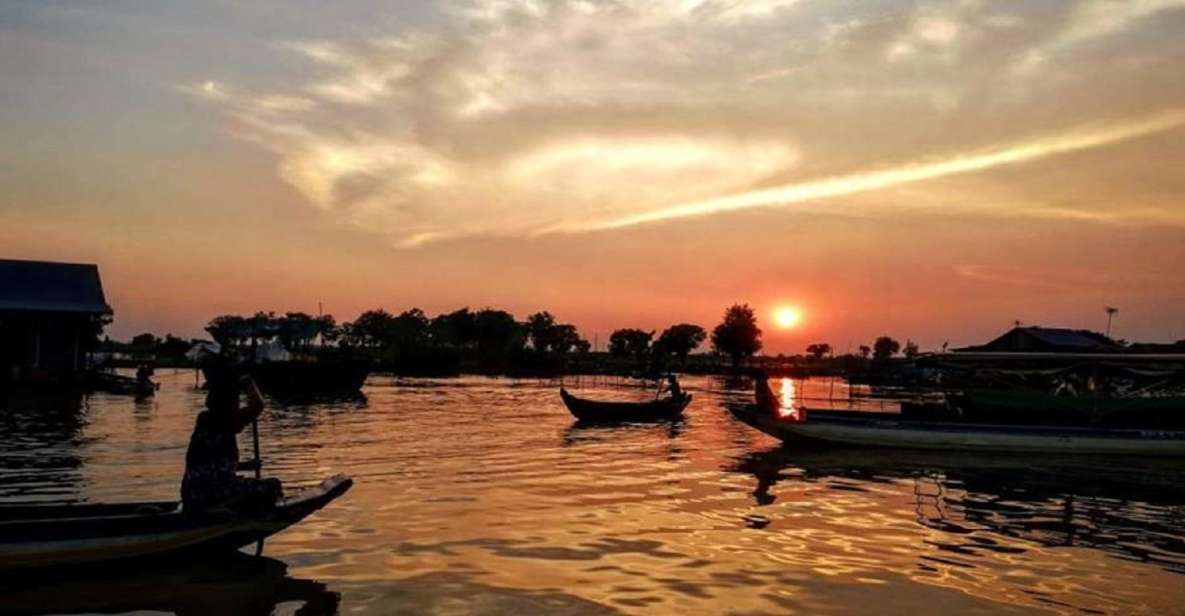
point(930, 170)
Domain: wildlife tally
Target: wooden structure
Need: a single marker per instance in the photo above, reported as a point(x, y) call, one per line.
point(50, 315)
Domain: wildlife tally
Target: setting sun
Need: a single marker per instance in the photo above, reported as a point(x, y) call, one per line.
point(786, 317)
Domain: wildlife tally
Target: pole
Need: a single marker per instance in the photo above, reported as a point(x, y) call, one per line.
point(255, 443)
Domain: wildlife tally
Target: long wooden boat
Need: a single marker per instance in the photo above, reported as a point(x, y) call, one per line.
point(876, 429)
point(300, 377)
point(601, 411)
point(303, 378)
point(72, 535)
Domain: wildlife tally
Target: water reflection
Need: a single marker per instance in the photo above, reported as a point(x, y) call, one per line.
point(1132, 509)
point(39, 457)
point(232, 584)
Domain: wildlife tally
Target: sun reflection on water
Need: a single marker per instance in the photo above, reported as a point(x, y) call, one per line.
point(787, 408)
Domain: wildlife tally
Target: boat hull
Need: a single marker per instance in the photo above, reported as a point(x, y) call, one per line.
point(78, 535)
point(879, 430)
point(594, 411)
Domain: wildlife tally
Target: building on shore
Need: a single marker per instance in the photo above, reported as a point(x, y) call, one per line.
point(50, 317)
point(1047, 340)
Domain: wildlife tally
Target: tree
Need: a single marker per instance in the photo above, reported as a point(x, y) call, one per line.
point(370, 329)
point(680, 340)
point(454, 329)
point(911, 349)
point(496, 331)
point(540, 331)
point(819, 350)
point(884, 348)
point(865, 351)
point(737, 335)
point(227, 329)
point(564, 339)
point(630, 342)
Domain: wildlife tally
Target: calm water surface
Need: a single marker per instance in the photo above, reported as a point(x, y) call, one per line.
point(479, 495)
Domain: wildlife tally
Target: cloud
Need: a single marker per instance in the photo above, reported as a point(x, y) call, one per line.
point(874, 180)
point(515, 118)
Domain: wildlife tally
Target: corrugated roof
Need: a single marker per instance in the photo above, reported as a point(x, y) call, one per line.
point(51, 287)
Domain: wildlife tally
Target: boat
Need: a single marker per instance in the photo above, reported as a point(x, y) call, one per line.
point(895, 430)
point(601, 411)
point(325, 376)
point(40, 536)
point(309, 378)
point(120, 385)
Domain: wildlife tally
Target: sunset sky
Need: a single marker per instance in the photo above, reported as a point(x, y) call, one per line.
point(929, 170)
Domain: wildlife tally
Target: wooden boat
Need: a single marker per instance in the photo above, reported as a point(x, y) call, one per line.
point(122, 385)
point(310, 377)
point(876, 429)
point(71, 535)
point(598, 411)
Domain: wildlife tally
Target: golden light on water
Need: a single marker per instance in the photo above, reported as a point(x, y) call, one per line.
point(786, 317)
point(786, 408)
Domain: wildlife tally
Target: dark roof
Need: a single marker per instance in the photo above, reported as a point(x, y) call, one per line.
point(1070, 337)
point(44, 286)
point(1049, 339)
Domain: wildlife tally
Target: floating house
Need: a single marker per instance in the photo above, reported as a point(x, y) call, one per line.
point(50, 315)
point(1047, 340)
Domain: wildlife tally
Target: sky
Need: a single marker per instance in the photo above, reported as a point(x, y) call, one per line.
point(929, 170)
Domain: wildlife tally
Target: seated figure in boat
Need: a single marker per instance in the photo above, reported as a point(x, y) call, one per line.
point(211, 463)
point(673, 387)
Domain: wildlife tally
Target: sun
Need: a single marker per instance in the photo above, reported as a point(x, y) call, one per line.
point(786, 317)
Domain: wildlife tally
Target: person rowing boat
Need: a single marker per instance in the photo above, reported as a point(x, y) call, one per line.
point(211, 481)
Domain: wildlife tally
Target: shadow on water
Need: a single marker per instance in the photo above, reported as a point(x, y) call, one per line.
point(232, 584)
point(42, 433)
point(1129, 508)
point(581, 432)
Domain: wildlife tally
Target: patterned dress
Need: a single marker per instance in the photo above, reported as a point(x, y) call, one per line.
point(211, 463)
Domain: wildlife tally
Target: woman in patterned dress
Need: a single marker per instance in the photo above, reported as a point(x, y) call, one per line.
point(211, 481)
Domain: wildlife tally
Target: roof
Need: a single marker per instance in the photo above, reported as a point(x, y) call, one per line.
point(1069, 337)
point(44, 286)
point(1048, 338)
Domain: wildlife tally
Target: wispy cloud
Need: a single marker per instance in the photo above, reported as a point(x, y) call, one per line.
point(874, 180)
point(516, 118)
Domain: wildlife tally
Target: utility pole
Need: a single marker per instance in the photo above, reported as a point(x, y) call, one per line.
point(1110, 313)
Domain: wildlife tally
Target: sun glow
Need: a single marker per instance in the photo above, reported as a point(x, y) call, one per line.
point(786, 317)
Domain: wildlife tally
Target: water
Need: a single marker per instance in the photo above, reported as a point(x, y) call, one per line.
point(479, 495)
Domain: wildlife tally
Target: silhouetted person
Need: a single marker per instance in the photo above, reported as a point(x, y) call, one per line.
point(673, 387)
point(212, 460)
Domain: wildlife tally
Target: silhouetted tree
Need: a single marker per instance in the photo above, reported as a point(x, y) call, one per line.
point(737, 335)
point(884, 348)
point(630, 343)
point(496, 332)
point(819, 350)
point(370, 329)
point(865, 351)
point(455, 329)
point(680, 340)
point(540, 331)
point(911, 349)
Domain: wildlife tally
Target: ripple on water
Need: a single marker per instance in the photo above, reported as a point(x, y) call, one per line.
point(479, 495)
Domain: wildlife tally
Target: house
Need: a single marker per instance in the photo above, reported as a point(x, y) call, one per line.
point(50, 316)
point(1047, 340)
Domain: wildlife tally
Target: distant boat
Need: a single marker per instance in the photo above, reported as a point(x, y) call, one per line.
point(596, 411)
point(876, 429)
point(300, 377)
point(34, 536)
point(325, 376)
point(122, 385)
